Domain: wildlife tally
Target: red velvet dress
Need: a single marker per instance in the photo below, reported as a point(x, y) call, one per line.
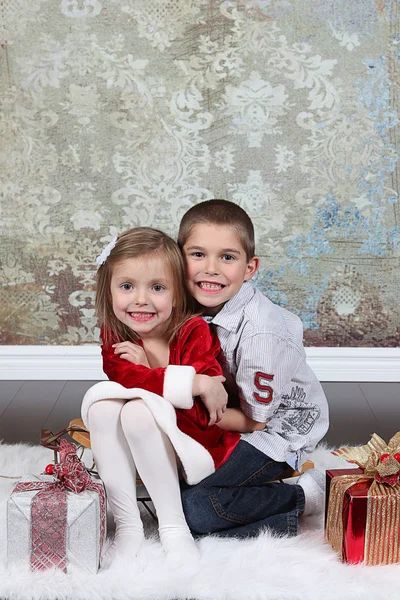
point(195, 346)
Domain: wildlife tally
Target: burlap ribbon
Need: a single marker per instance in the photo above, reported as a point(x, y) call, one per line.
point(381, 470)
point(49, 509)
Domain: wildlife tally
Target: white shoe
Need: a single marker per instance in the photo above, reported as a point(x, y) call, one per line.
point(313, 484)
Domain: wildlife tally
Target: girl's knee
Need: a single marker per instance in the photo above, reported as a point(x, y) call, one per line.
point(104, 412)
point(137, 420)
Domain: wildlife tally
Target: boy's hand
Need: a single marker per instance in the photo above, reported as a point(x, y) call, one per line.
point(132, 353)
point(213, 395)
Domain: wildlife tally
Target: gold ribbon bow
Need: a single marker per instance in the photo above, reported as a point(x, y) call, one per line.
point(381, 464)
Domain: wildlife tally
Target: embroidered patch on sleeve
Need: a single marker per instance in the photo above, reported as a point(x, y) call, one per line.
point(266, 392)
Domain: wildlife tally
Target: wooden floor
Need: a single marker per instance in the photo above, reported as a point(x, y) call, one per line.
point(356, 409)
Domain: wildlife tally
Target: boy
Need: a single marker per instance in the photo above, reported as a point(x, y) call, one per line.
point(281, 405)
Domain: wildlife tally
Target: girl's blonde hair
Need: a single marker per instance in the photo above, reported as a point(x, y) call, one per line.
point(142, 242)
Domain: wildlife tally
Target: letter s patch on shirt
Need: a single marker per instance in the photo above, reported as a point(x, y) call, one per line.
point(266, 394)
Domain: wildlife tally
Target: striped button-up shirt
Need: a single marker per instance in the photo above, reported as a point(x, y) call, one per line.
point(264, 362)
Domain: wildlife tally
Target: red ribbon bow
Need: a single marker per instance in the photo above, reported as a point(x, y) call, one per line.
point(70, 470)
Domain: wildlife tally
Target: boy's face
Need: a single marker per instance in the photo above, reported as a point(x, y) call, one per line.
point(216, 265)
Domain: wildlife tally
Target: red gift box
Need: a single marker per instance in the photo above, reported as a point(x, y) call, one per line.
point(362, 517)
point(354, 515)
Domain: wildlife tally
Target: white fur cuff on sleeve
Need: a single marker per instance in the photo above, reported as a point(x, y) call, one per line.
point(178, 383)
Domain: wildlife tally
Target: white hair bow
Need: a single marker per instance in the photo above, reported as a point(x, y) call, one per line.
point(101, 259)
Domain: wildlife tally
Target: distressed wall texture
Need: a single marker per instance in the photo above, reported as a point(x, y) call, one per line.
point(117, 113)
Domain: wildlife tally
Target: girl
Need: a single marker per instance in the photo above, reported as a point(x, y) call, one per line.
point(157, 356)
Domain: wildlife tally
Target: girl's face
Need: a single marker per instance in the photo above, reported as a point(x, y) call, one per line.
point(142, 295)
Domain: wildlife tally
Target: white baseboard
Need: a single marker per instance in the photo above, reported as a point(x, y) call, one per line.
point(355, 364)
point(84, 363)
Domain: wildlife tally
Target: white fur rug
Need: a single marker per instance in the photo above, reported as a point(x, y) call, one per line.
point(265, 568)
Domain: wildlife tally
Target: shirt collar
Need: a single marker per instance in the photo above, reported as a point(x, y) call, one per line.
point(230, 316)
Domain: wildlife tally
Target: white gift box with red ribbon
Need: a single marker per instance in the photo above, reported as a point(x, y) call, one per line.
point(57, 521)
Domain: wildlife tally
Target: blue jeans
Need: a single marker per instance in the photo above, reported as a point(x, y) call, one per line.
point(239, 499)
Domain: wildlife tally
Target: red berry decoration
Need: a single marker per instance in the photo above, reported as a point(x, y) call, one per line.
point(49, 469)
point(397, 456)
point(384, 458)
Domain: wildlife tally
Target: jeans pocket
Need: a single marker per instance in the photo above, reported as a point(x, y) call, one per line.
point(270, 469)
point(229, 517)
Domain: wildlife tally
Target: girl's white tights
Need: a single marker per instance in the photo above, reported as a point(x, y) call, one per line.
point(124, 435)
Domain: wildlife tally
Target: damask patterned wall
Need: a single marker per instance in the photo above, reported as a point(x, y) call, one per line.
point(117, 113)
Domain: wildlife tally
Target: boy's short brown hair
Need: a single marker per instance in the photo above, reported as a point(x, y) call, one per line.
point(219, 212)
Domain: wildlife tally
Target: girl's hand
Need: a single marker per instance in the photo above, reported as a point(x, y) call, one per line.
point(213, 395)
point(132, 353)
